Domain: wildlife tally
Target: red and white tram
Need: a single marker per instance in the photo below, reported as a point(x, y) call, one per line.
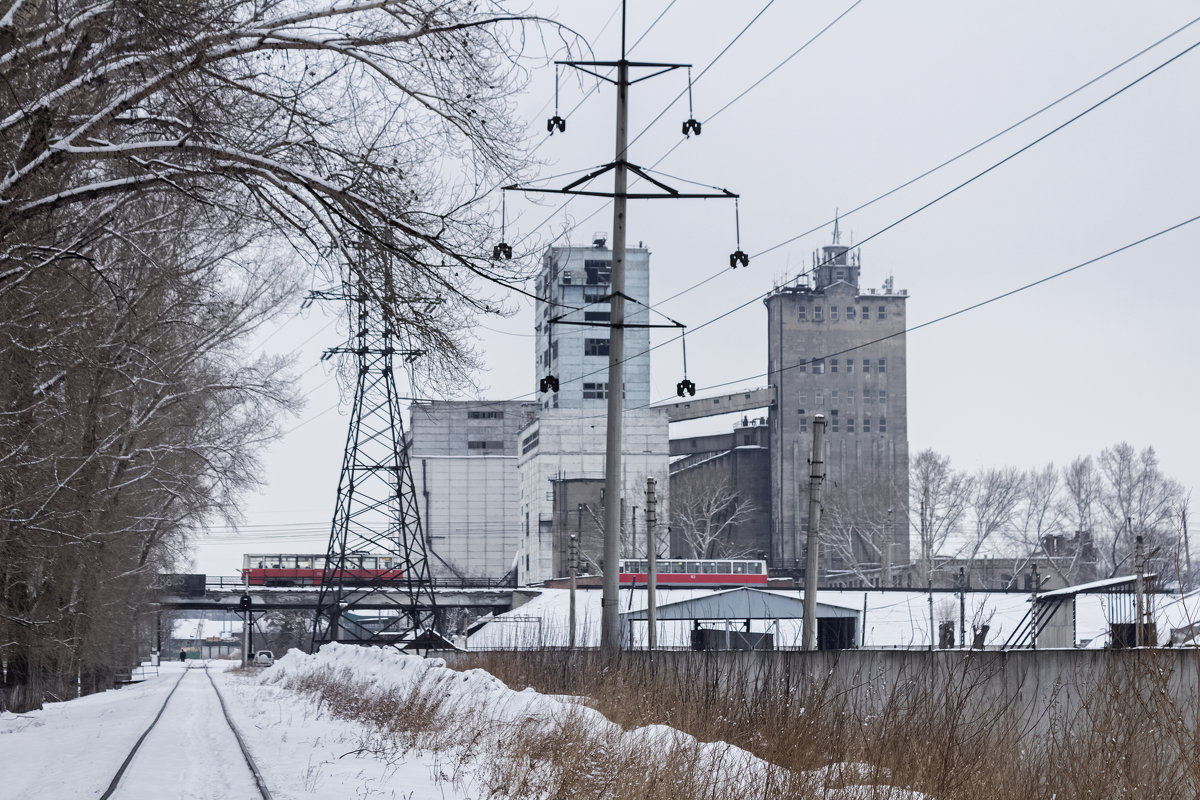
point(277, 569)
point(675, 573)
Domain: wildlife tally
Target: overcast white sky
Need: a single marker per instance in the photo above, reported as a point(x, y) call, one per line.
point(1070, 367)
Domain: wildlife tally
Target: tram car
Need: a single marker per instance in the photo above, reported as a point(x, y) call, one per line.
point(677, 573)
point(277, 569)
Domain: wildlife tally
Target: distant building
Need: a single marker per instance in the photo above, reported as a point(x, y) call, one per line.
point(464, 457)
point(838, 350)
point(707, 470)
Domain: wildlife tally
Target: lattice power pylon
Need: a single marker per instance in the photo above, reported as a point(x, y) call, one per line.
point(377, 516)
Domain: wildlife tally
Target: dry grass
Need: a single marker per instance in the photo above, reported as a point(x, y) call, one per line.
point(1123, 737)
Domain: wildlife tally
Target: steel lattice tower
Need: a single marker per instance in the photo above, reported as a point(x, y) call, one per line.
point(377, 511)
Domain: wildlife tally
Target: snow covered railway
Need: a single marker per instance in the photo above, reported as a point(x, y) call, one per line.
point(205, 754)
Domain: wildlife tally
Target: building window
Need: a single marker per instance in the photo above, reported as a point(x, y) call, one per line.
point(839, 275)
point(529, 442)
point(866, 423)
point(850, 397)
point(833, 396)
point(866, 365)
point(803, 400)
point(883, 424)
point(803, 313)
point(818, 367)
point(595, 391)
point(850, 312)
point(833, 420)
point(868, 396)
point(866, 312)
point(802, 366)
point(817, 314)
point(820, 398)
point(480, 445)
point(882, 312)
point(849, 365)
point(598, 272)
point(833, 313)
point(803, 422)
point(595, 347)
point(882, 365)
point(597, 316)
point(849, 424)
point(485, 415)
point(883, 395)
point(833, 365)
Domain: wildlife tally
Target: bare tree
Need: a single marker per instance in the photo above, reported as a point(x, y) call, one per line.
point(1137, 500)
point(857, 524)
point(705, 516)
point(170, 172)
point(995, 496)
point(939, 496)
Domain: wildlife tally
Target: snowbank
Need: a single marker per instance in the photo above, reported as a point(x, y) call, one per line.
point(727, 769)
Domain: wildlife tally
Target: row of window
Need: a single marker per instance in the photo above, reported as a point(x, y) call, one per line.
point(817, 313)
point(485, 415)
point(595, 391)
point(482, 445)
point(818, 365)
point(836, 422)
point(529, 442)
point(868, 396)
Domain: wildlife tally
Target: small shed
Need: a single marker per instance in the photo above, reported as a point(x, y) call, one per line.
point(1051, 621)
point(733, 610)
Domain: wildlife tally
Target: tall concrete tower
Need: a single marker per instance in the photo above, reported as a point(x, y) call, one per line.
point(574, 284)
point(839, 350)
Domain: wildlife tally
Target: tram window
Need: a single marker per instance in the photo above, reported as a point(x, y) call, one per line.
point(677, 568)
point(739, 568)
point(643, 566)
point(287, 563)
point(371, 563)
point(724, 567)
point(710, 567)
point(306, 563)
point(755, 567)
point(693, 567)
point(275, 564)
point(260, 564)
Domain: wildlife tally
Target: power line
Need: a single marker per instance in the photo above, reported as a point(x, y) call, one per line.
point(935, 200)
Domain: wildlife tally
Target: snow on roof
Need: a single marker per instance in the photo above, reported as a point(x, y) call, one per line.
point(1094, 586)
point(740, 604)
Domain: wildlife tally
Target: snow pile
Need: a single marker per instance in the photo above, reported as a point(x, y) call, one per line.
point(474, 698)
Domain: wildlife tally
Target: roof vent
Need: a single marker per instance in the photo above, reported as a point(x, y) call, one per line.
point(599, 239)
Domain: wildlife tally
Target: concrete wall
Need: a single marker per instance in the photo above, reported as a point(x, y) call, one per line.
point(1035, 687)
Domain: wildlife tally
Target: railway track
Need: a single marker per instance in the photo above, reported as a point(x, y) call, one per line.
point(194, 756)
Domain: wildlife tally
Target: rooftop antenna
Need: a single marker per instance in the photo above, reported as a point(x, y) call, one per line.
point(837, 234)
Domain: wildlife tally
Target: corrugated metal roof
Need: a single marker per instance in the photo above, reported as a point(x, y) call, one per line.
point(741, 603)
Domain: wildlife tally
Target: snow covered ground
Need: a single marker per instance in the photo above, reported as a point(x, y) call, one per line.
point(73, 749)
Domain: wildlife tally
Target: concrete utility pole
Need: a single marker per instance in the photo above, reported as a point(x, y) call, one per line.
point(816, 476)
point(651, 565)
point(571, 559)
point(1139, 563)
point(610, 631)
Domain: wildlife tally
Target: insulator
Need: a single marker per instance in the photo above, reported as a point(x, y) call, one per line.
point(502, 250)
point(548, 384)
point(685, 387)
point(556, 122)
point(691, 125)
point(738, 257)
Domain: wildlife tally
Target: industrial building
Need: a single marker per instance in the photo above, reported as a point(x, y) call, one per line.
point(464, 458)
point(838, 350)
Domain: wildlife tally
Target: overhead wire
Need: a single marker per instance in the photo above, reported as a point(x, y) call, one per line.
point(932, 202)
